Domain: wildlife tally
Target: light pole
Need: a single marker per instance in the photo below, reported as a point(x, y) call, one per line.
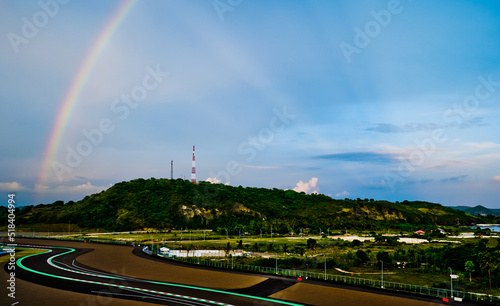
point(325, 267)
point(276, 263)
point(382, 286)
point(451, 282)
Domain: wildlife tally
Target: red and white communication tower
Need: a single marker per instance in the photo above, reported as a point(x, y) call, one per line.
point(193, 170)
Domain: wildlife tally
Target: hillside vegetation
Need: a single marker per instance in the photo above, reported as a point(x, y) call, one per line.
point(164, 203)
point(478, 210)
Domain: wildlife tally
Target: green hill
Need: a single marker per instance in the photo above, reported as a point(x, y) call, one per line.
point(164, 203)
point(478, 210)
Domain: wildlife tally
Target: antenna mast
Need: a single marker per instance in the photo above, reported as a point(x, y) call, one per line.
point(193, 170)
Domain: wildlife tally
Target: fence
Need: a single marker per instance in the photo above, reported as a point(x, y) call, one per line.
point(350, 280)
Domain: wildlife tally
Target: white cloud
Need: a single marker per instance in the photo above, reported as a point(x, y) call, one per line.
point(83, 189)
point(87, 188)
point(496, 178)
point(214, 180)
point(11, 186)
point(41, 188)
point(482, 145)
point(309, 187)
point(342, 194)
point(261, 167)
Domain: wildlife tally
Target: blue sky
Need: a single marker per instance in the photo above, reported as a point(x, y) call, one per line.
point(395, 100)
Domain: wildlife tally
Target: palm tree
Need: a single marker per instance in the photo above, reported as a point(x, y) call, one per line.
point(486, 263)
point(469, 267)
point(228, 249)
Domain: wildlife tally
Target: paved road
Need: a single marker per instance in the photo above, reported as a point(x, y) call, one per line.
point(57, 268)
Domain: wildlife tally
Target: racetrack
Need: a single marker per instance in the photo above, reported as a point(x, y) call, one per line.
point(130, 271)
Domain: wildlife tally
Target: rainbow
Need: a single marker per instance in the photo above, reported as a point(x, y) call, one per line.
point(77, 85)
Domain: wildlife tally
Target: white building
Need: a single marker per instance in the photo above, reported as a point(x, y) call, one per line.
point(198, 253)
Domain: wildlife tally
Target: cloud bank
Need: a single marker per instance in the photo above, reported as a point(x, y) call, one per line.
point(11, 186)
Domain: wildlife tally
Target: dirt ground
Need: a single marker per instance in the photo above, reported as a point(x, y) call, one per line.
point(320, 295)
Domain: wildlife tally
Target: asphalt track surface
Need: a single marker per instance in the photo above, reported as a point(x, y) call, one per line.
point(59, 268)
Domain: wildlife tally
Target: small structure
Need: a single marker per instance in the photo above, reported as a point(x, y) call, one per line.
point(199, 253)
point(420, 232)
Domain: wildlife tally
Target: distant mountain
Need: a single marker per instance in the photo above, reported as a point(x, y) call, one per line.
point(478, 210)
point(164, 203)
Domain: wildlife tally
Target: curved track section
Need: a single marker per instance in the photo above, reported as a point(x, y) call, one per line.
point(56, 267)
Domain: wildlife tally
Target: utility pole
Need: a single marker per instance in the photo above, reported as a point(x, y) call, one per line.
point(451, 281)
point(382, 286)
point(325, 267)
point(276, 263)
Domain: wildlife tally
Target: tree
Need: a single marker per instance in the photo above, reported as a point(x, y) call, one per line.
point(361, 257)
point(299, 250)
point(379, 238)
point(487, 264)
point(228, 249)
point(385, 257)
point(311, 243)
point(240, 244)
point(469, 267)
point(392, 240)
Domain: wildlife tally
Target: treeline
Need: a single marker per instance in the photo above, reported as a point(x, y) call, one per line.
point(471, 261)
point(175, 204)
point(476, 263)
